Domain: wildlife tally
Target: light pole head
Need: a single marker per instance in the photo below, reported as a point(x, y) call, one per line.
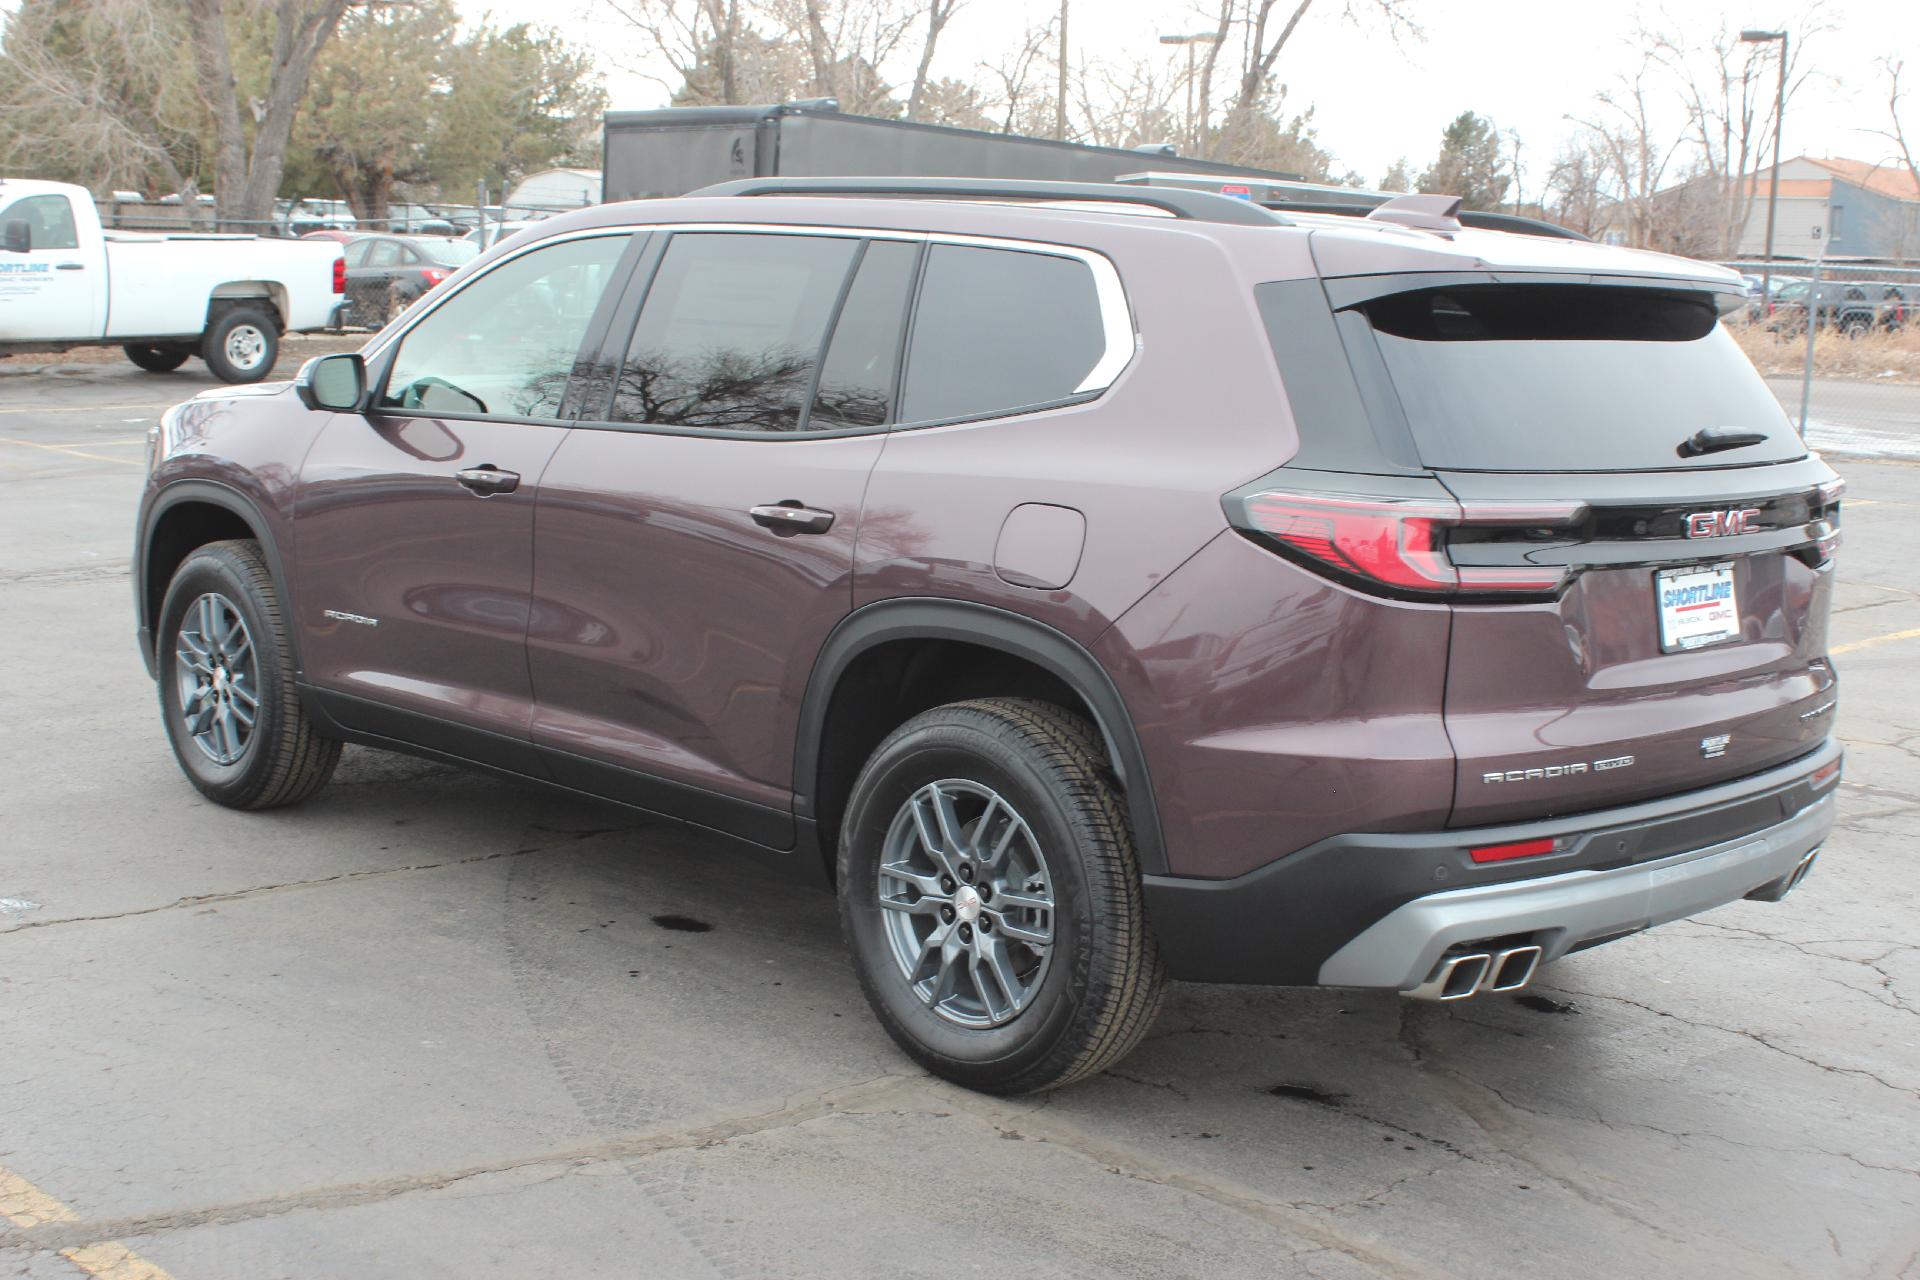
point(1753, 35)
point(1199, 37)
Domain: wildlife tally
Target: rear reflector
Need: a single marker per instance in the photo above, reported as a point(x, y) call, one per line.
point(1824, 774)
point(1518, 849)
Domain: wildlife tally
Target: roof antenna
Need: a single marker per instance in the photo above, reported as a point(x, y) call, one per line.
point(1429, 213)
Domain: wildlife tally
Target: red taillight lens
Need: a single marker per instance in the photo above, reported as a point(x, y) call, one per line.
point(1505, 852)
point(1400, 543)
point(434, 275)
point(1396, 543)
point(339, 275)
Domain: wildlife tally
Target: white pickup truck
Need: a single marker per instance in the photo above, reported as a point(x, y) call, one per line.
point(66, 282)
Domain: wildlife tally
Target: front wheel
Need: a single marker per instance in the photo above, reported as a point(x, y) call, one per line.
point(992, 900)
point(226, 684)
point(242, 345)
point(156, 357)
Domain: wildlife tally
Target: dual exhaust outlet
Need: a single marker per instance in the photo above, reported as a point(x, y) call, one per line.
point(1463, 974)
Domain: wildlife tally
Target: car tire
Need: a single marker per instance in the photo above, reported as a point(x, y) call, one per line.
point(1035, 845)
point(221, 640)
point(242, 345)
point(156, 357)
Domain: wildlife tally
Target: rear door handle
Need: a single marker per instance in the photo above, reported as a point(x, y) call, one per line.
point(789, 518)
point(486, 480)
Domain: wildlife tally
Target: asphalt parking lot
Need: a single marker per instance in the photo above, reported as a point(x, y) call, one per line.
point(435, 1025)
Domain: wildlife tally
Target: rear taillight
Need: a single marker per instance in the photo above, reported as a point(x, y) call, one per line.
point(340, 275)
point(434, 275)
point(1400, 544)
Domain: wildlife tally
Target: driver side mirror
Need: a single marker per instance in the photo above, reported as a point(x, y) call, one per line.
point(336, 382)
point(19, 236)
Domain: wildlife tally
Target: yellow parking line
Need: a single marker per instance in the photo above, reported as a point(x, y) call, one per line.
point(1910, 634)
point(71, 451)
point(25, 1205)
point(113, 1261)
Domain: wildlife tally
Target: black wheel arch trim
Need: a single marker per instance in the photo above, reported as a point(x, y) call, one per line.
point(211, 493)
point(927, 618)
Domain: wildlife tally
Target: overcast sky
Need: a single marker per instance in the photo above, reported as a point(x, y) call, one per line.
point(1526, 63)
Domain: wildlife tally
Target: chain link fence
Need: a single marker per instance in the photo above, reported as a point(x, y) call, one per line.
point(1839, 343)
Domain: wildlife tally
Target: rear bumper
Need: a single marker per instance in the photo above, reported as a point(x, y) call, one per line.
point(1381, 910)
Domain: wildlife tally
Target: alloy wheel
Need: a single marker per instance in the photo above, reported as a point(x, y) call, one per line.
point(968, 903)
point(216, 672)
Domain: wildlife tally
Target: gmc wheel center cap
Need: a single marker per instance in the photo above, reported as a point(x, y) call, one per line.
point(966, 903)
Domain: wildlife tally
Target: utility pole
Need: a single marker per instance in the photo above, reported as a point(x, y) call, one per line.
point(1060, 103)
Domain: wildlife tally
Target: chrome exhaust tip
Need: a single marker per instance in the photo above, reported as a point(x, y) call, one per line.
point(1513, 968)
point(1775, 890)
point(1456, 977)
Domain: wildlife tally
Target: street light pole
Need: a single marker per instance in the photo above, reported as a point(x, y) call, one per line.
point(1201, 37)
point(1773, 179)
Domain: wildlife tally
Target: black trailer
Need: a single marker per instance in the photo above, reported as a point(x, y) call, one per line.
point(679, 149)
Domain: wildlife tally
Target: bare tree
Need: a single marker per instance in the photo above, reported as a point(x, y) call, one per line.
point(1017, 95)
point(87, 94)
point(1896, 131)
point(939, 13)
point(247, 164)
point(1576, 191)
point(695, 38)
point(1634, 149)
point(1265, 38)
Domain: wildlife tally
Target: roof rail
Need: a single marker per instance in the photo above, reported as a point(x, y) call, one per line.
point(1200, 206)
point(1430, 213)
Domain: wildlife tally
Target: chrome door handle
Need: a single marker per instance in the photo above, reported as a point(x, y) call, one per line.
point(789, 518)
point(486, 480)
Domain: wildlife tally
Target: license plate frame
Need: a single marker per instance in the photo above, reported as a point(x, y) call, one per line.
point(1696, 614)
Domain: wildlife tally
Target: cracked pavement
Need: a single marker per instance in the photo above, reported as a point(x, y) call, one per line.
point(432, 1025)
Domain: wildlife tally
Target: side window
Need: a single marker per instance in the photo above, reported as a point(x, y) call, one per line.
point(997, 330)
point(506, 344)
point(356, 254)
point(731, 331)
point(856, 379)
point(51, 218)
point(383, 253)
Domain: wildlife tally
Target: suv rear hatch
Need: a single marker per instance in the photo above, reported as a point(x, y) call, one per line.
point(1637, 543)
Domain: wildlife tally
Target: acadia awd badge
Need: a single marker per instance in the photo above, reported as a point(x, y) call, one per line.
point(1547, 773)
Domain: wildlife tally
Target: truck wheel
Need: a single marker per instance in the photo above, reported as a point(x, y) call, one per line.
point(991, 897)
point(242, 345)
point(156, 358)
point(226, 687)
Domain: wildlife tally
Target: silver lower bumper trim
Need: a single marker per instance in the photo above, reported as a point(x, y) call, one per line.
point(1557, 913)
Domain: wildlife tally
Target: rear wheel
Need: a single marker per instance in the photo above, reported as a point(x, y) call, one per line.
point(991, 897)
point(226, 688)
point(242, 344)
point(157, 357)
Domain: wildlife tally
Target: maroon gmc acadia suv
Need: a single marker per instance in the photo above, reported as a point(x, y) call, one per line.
point(1097, 585)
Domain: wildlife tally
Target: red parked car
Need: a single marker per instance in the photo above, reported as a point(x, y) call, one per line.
point(1096, 585)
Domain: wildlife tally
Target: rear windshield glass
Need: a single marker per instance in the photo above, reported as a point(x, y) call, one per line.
point(1537, 377)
